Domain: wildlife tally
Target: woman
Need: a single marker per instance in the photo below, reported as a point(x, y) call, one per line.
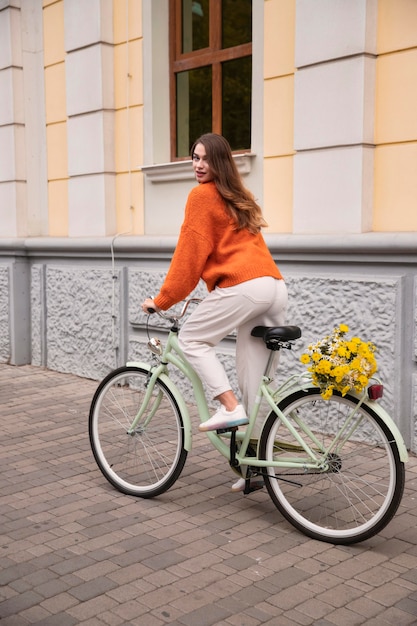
point(221, 242)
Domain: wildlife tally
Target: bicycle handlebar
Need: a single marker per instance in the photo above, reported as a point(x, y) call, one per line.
point(174, 318)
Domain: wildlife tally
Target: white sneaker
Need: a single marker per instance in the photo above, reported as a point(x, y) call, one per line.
point(225, 419)
point(239, 485)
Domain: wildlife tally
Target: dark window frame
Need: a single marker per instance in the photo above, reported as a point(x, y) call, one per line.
point(212, 56)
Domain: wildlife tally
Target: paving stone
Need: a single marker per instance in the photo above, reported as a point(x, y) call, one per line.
point(366, 607)
point(131, 610)
point(292, 618)
point(408, 605)
point(410, 575)
point(93, 588)
point(340, 595)
point(15, 620)
point(393, 617)
point(14, 572)
point(60, 619)
point(388, 594)
point(19, 603)
point(51, 588)
point(34, 614)
point(205, 616)
point(346, 617)
point(59, 603)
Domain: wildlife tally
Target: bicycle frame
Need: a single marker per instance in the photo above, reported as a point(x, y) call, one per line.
point(173, 355)
point(287, 389)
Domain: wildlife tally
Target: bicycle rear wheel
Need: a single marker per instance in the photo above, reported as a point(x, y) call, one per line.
point(359, 488)
point(147, 461)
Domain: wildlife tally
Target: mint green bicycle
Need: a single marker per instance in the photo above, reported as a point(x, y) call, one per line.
point(333, 468)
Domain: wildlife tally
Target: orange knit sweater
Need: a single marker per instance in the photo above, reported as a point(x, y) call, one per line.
point(209, 247)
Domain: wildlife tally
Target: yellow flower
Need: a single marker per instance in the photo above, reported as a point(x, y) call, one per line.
point(362, 349)
point(340, 372)
point(327, 393)
point(355, 364)
point(352, 346)
point(323, 367)
point(338, 364)
point(363, 380)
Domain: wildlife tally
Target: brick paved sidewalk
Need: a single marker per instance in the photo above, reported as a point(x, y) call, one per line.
point(75, 551)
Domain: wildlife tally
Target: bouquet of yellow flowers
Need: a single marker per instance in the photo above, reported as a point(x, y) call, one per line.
point(340, 364)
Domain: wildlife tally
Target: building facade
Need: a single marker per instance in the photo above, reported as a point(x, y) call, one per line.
point(92, 195)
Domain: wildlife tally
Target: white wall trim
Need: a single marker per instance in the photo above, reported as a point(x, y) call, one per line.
point(182, 170)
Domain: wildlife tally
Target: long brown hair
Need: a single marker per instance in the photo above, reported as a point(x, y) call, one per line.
point(240, 202)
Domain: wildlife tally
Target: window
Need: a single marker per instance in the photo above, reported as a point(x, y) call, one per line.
point(211, 72)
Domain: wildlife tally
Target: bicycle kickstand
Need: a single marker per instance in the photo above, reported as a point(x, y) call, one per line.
point(233, 460)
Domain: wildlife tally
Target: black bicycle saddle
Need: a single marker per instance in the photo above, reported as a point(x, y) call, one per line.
point(276, 334)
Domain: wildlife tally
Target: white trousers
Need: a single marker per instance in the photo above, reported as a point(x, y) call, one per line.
point(258, 302)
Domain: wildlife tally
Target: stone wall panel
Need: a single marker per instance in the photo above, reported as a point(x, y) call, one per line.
point(4, 315)
point(82, 334)
point(36, 314)
point(368, 306)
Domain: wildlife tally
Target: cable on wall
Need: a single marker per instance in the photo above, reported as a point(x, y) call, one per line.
point(115, 343)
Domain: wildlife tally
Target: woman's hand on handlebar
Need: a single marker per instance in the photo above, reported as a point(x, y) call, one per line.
point(149, 306)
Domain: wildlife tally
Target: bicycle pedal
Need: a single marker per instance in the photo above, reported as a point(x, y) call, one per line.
point(231, 429)
point(252, 486)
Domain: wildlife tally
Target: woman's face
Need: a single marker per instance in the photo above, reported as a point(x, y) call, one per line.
point(201, 166)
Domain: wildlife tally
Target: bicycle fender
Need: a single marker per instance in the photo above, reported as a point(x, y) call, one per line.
point(178, 398)
point(387, 419)
point(376, 408)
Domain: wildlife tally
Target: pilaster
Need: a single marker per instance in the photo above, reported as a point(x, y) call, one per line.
point(90, 110)
point(334, 116)
point(12, 153)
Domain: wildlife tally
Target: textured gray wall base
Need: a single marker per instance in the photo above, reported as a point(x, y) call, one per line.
point(83, 305)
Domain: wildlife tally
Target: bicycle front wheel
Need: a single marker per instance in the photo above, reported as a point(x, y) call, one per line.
point(357, 488)
point(147, 460)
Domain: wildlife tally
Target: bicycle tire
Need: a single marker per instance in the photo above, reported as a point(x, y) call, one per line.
point(148, 461)
point(359, 492)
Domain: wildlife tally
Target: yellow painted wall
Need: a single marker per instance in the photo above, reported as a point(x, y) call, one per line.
point(128, 95)
point(395, 183)
point(128, 80)
point(56, 126)
point(395, 190)
point(279, 42)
